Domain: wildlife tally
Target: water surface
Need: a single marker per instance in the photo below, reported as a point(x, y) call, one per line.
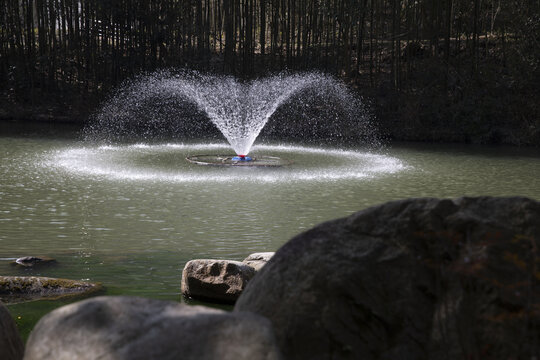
point(131, 216)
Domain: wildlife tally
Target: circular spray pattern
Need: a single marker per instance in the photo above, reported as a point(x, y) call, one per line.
point(166, 162)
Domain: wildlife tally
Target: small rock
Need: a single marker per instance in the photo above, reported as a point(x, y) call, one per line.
point(215, 280)
point(258, 260)
point(14, 289)
point(31, 261)
point(123, 327)
point(11, 345)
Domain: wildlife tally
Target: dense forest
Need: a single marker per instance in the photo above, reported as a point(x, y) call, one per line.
point(436, 70)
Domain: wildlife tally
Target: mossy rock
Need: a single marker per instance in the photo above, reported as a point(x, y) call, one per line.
point(15, 289)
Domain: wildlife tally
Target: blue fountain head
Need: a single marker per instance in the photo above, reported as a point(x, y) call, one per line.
point(242, 158)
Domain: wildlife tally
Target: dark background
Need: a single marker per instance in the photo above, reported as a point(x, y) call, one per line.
point(431, 70)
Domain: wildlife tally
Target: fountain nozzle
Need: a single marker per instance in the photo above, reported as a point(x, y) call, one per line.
point(242, 158)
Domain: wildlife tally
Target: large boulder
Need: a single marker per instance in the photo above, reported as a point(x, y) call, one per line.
point(411, 279)
point(15, 289)
point(258, 260)
point(122, 327)
point(215, 280)
point(11, 345)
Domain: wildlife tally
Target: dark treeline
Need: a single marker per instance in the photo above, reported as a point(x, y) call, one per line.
point(470, 64)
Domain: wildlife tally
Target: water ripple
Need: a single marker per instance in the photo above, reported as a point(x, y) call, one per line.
point(166, 163)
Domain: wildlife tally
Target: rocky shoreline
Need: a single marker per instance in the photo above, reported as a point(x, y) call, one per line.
point(410, 279)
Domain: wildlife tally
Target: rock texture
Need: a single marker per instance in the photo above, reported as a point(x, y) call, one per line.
point(122, 327)
point(26, 288)
point(215, 280)
point(258, 260)
point(11, 345)
point(412, 279)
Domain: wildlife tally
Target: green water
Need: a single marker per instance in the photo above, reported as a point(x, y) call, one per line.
point(131, 217)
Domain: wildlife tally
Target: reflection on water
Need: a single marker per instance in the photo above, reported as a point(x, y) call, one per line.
point(135, 235)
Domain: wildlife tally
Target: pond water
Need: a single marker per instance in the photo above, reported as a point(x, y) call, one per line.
point(131, 216)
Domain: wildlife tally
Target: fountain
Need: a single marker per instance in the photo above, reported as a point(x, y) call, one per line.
point(178, 114)
point(240, 110)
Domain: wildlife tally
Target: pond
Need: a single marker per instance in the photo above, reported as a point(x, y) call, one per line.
point(131, 216)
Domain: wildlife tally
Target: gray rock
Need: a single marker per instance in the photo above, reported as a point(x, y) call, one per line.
point(122, 327)
point(258, 260)
point(32, 261)
point(15, 289)
point(215, 280)
point(11, 345)
point(412, 279)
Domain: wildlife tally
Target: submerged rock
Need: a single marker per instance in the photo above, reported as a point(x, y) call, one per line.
point(411, 279)
point(121, 327)
point(11, 345)
point(15, 289)
point(215, 280)
point(258, 260)
point(32, 261)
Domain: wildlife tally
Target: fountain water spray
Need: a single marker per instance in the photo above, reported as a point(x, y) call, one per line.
point(165, 105)
point(240, 110)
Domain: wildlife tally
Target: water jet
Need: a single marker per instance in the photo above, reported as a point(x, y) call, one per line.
point(179, 107)
point(157, 104)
